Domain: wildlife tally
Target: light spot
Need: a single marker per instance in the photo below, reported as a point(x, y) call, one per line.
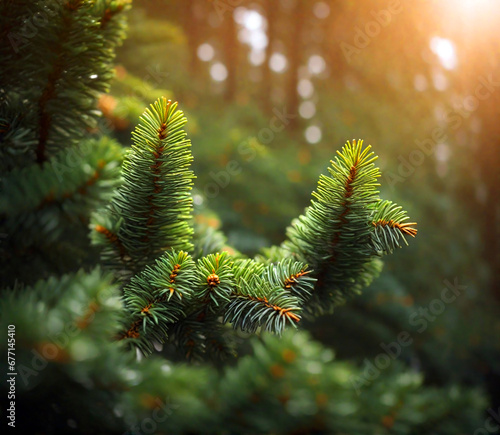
point(218, 71)
point(253, 20)
point(307, 109)
point(321, 10)
point(420, 83)
point(316, 64)
point(305, 88)
point(313, 134)
point(197, 199)
point(257, 57)
point(205, 52)
point(278, 62)
point(442, 152)
point(314, 367)
point(440, 81)
point(252, 30)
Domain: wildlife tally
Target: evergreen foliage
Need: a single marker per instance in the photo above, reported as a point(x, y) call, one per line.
point(166, 281)
point(339, 234)
point(151, 209)
point(77, 39)
point(58, 55)
point(149, 218)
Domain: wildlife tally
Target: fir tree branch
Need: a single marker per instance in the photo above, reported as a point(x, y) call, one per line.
point(113, 239)
point(405, 228)
point(216, 281)
point(152, 209)
point(87, 301)
point(257, 302)
point(90, 173)
point(17, 137)
point(155, 299)
point(49, 93)
point(67, 67)
point(214, 286)
point(390, 227)
point(111, 10)
point(292, 276)
point(333, 235)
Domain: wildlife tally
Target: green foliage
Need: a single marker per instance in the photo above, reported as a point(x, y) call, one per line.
point(53, 174)
point(258, 303)
point(291, 275)
point(149, 216)
point(156, 297)
point(216, 281)
point(44, 205)
point(65, 63)
point(65, 325)
point(89, 171)
point(153, 205)
point(89, 301)
point(338, 235)
point(390, 227)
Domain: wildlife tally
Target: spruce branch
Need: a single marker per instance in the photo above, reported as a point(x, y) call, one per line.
point(148, 219)
point(292, 276)
point(79, 178)
point(76, 16)
point(155, 299)
point(257, 302)
point(150, 212)
point(216, 281)
point(390, 227)
point(333, 234)
point(43, 207)
point(344, 228)
point(87, 303)
point(17, 138)
point(201, 333)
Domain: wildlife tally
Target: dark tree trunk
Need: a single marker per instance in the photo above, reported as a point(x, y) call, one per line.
point(230, 46)
point(295, 58)
point(192, 30)
point(267, 79)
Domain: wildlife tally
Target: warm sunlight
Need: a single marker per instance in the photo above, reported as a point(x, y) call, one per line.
point(445, 50)
point(474, 5)
point(473, 11)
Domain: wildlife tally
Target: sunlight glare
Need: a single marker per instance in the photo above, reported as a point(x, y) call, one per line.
point(445, 51)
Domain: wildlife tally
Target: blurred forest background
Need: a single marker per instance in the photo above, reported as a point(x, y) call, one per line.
point(273, 88)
